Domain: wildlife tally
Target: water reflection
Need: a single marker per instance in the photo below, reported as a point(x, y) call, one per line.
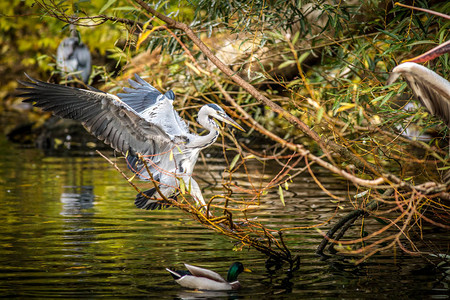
point(189, 294)
point(78, 200)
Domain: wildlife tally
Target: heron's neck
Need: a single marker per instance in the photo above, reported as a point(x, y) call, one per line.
point(202, 142)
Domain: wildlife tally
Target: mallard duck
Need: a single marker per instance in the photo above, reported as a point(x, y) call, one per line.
point(204, 279)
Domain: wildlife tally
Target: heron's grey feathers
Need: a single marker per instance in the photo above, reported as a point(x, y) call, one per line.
point(104, 115)
point(170, 94)
point(429, 88)
point(154, 107)
point(141, 96)
point(200, 272)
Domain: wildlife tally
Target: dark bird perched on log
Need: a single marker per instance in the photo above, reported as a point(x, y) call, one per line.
point(73, 56)
point(141, 121)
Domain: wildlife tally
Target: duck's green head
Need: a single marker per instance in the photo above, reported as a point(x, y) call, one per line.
point(234, 271)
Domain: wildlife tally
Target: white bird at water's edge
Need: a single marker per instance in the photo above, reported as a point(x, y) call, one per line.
point(141, 121)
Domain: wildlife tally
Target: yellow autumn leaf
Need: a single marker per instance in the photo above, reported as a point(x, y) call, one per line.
point(144, 35)
point(192, 67)
point(345, 107)
point(131, 178)
point(280, 191)
point(182, 186)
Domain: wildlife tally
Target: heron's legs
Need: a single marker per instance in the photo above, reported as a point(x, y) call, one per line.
point(194, 190)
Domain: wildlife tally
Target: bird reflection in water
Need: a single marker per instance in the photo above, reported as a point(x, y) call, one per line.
point(78, 200)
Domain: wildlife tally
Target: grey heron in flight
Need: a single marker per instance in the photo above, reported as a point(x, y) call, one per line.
point(73, 56)
point(141, 121)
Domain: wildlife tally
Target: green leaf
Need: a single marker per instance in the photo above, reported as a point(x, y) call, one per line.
point(377, 99)
point(295, 38)
point(234, 161)
point(276, 35)
point(392, 35)
point(422, 42)
point(106, 6)
point(124, 8)
point(294, 82)
point(388, 96)
point(303, 56)
point(285, 64)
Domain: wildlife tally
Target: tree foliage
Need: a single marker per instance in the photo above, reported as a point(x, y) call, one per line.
point(322, 64)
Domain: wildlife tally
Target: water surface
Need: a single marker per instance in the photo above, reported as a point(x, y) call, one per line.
point(70, 229)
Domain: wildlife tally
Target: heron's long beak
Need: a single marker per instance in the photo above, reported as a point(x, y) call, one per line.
point(229, 121)
point(431, 54)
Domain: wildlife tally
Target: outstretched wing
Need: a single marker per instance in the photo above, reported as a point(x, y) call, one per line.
point(141, 96)
point(429, 88)
point(107, 117)
point(157, 109)
point(200, 272)
point(154, 107)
